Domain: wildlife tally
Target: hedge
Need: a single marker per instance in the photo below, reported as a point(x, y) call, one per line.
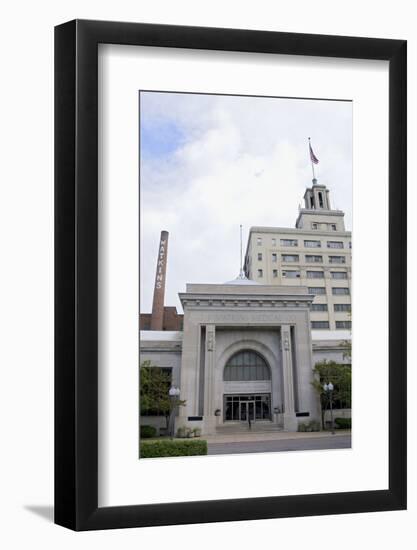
point(343, 423)
point(147, 431)
point(172, 447)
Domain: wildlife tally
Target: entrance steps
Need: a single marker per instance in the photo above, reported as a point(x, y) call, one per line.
point(243, 427)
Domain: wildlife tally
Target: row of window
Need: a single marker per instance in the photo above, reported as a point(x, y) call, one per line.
point(324, 226)
point(336, 307)
point(320, 290)
point(309, 258)
point(325, 324)
point(296, 274)
point(308, 243)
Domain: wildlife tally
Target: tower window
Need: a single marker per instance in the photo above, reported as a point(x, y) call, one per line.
point(289, 242)
point(337, 259)
point(334, 244)
point(275, 273)
point(312, 244)
point(342, 307)
point(259, 256)
point(315, 275)
point(314, 225)
point(290, 274)
point(316, 290)
point(320, 199)
point(344, 324)
point(319, 324)
point(340, 291)
point(290, 258)
point(318, 307)
point(274, 257)
point(312, 258)
point(260, 273)
point(338, 275)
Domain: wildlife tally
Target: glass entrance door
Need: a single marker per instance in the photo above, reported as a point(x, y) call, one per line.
point(241, 407)
point(247, 411)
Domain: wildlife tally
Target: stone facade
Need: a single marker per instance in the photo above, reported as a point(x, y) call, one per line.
point(315, 254)
point(220, 321)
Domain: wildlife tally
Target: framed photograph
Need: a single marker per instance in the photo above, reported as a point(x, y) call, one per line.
point(230, 244)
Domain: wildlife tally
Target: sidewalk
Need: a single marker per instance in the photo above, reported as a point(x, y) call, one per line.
point(271, 436)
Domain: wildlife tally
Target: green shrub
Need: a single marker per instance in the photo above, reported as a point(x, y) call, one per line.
point(181, 431)
point(312, 426)
point(172, 447)
point(147, 431)
point(343, 423)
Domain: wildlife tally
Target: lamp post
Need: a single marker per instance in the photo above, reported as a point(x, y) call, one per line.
point(174, 394)
point(328, 388)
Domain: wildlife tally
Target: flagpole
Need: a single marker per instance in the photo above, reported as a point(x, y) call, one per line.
point(241, 266)
point(311, 160)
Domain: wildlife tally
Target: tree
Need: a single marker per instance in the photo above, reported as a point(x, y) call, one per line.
point(340, 376)
point(154, 392)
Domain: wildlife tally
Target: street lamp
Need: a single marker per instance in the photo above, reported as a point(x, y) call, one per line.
point(174, 395)
point(328, 388)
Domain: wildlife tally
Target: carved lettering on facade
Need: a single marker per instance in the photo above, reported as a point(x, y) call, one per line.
point(160, 266)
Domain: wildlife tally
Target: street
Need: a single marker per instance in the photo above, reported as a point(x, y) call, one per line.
point(305, 444)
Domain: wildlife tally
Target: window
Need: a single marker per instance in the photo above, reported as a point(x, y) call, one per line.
point(316, 290)
point(340, 291)
point(290, 258)
point(350, 244)
point(334, 244)
point(344, 324)
point(275, 273)
point(338, 274)
point(259, 241)
point(260, 273)
point(319, 324)
point(342, 307)
point(314, 226)
point(337, 259)
point(312, 244)
point(333, 227)
point(318, 307)
point(311, 258)
point(259, 256)
point(291, 274)
point(289, 242)
point(246, 365)
point(274, 242)
point(320, 199)
point(315, 275)
point(274, 257)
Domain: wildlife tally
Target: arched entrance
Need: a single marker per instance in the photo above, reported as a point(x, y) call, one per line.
point(247, 379)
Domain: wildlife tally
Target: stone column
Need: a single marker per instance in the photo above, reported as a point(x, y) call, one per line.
point(209, 377)
point(290, 420)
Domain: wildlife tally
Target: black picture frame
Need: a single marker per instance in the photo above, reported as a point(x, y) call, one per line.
point(76, 272)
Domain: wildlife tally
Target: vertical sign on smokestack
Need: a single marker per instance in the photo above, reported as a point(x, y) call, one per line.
point(157, 320)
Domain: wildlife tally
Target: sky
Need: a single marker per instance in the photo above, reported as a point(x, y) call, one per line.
point(209, 163)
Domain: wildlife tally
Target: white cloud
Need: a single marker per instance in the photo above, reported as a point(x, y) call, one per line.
point(244, 161)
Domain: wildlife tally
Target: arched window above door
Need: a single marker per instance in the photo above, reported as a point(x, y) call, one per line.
point(245, 366)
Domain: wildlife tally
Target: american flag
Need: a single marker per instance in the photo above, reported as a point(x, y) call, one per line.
point(313, 157)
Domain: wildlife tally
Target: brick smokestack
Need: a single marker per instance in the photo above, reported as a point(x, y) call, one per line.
point(157, 320)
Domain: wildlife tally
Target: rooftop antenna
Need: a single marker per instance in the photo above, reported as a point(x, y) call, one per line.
point(241, 274)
